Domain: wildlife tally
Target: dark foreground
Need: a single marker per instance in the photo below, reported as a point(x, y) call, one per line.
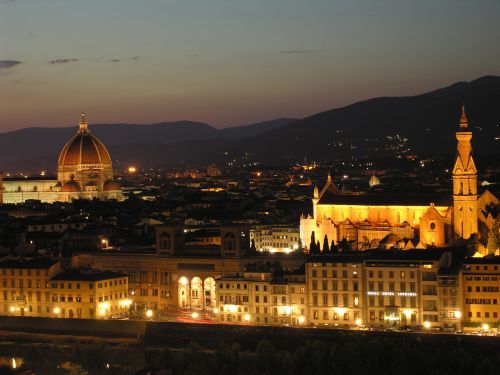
point(216, 349)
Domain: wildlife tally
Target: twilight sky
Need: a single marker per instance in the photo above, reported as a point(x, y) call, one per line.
point(231, 62)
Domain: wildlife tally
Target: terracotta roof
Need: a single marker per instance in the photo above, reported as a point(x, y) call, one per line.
point(385, 199)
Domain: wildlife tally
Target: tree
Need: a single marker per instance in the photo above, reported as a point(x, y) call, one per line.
point(344, 245)
point(326, 247)
point(253, 249)
point(333, 249)
point(312, 245)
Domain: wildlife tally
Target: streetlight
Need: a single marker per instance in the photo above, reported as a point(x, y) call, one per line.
point(358, 322)
point(427, 324)
point(149, 313)
point(57, 310)
point(246, 318)
point(195, 315)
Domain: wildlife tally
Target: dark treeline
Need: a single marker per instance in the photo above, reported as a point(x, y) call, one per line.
point(357, 355)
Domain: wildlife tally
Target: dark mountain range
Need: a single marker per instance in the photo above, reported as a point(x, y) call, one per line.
point(428, 121)
point(380, 127)
point(37, 148)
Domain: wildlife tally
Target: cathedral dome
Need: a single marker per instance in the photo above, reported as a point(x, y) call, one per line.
point(71, 187)
point(111, 186)
point(83, 149)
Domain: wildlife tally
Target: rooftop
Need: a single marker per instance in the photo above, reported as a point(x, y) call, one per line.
point(87, 275)
point(385, 199)
point(28, 263)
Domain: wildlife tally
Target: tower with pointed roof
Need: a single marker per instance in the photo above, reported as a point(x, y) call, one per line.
point(464, 184)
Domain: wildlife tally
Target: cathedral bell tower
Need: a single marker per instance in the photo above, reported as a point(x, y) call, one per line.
point(464, 184)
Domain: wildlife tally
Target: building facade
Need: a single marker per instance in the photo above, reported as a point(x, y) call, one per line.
point(40, 288)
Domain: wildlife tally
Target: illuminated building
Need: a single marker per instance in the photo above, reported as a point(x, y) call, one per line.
point(364, 220)
point(89, 295)
point(84, 171)
point(481, 291)
point(258, 298)
point(40, 288)
point(378, 289)
point(275, 238)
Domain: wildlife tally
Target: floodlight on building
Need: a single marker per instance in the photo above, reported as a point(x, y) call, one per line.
point(125, 302)
point(246, 317)
point(301, 319)
point(287, 310)
point(427, 324)
point(149, 313)
point(358, 322)
point(407, 313)
point(12, 309)
point(195, 315)
point(340, 310)
point(56, 310)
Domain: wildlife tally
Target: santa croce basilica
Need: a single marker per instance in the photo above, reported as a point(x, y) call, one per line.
point(84, 171)
point(404, 221)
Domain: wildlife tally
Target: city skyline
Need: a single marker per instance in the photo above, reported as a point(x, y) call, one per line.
point(230, 64)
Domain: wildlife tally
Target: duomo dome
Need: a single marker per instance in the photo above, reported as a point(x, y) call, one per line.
point(84, 168)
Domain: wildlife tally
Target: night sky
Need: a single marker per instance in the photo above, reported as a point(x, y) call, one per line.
point(230, 62)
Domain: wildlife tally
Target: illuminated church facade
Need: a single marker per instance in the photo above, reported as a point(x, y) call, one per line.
point(406, 221)
point(84, 171)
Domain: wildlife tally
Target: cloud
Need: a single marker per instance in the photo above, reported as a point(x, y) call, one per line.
point(6, 64)
point(300, 51)
point(62, 61)
point(193, 56)
point(114, 60)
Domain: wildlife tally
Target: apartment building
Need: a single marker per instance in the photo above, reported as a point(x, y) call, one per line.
point(39, 287)
point(481, 292)
point(261, 299)
point(275, 238)
point(378, 289)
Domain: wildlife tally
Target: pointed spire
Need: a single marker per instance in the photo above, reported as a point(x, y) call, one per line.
point(84, 126)
point(464, 123)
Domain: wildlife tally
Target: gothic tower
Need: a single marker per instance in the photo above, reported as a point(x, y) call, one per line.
point(464, 184)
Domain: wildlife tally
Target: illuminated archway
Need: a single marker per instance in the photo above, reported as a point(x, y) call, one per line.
point(196, 293)
point(184, 300)
point(209, 292)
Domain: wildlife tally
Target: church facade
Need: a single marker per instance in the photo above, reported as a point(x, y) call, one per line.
point(84, 171)
point(405, 222)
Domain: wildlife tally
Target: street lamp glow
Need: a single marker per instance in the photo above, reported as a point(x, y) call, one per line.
point(427, 324)
point(247, 317)
point(57, 310)
point(485, 326)
point(195, 315)
point(12, 309)
point(358, 322)
point(149, 313)
point(216, 310)
point(301, 319)
point(457, 314)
